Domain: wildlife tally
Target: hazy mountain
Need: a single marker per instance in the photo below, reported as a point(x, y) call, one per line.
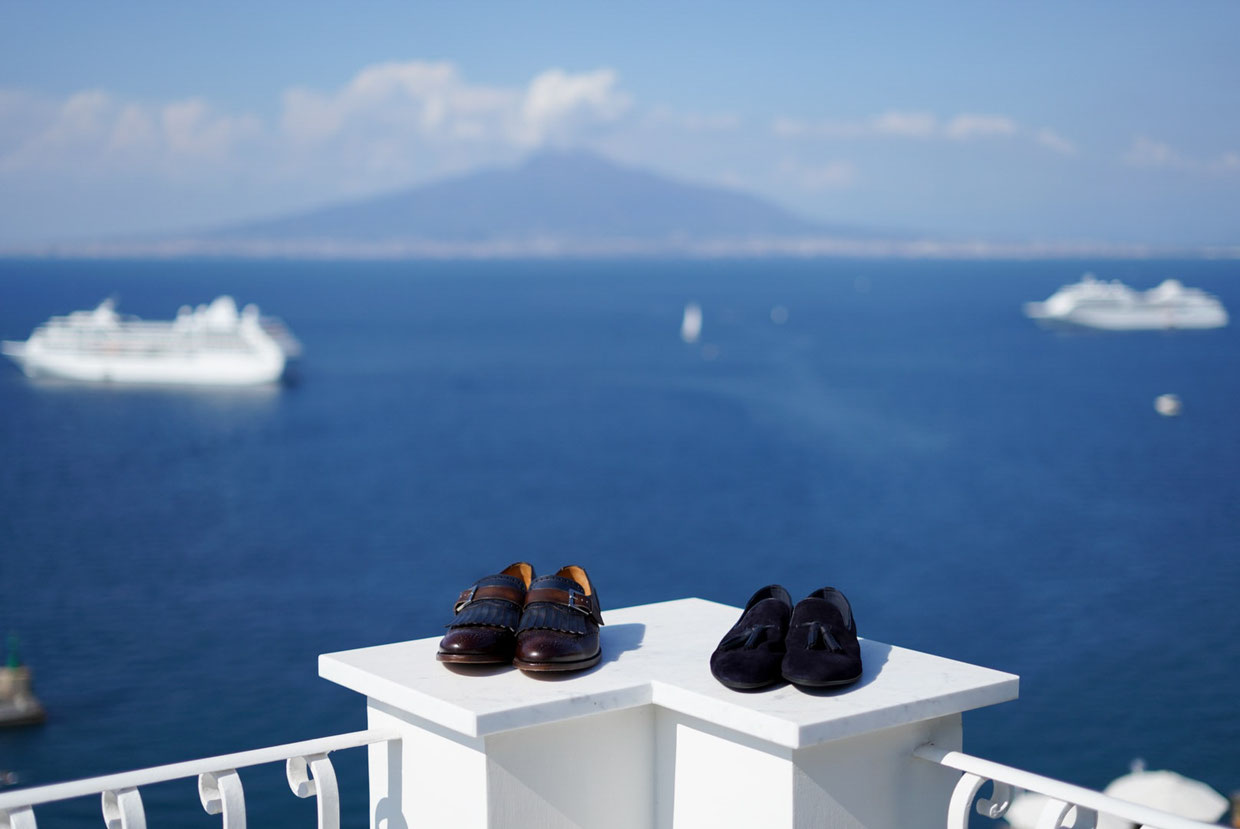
point(567, 204)
point(571, 198)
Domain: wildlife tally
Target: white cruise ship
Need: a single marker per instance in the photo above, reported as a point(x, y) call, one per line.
point(1113, 306)
point(209, 345)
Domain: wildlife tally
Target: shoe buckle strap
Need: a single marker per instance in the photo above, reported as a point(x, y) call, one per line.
point(579, 602)
point(488, 591)
point(572, 599)
point(465, 598)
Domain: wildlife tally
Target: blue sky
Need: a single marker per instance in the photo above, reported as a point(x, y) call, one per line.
point(1111, 122)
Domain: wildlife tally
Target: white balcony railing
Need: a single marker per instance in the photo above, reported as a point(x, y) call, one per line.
point(307, 766)
point(1066, 804)
point(647, 740)
point(310, 774)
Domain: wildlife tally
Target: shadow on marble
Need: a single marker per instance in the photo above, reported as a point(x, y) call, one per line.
point(615, 641)
point(873, 658)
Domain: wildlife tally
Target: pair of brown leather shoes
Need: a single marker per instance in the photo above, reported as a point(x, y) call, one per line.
point(549, 623)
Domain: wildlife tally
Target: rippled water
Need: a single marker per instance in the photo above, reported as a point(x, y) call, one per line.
point(980, 488)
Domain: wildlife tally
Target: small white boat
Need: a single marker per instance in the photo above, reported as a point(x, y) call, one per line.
point(691, 323)
point(1113, 306)
point(210, 345)
point(1168, 405)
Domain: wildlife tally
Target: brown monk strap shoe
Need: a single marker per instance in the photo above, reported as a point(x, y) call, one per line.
point(559, 626)
point(484, 629)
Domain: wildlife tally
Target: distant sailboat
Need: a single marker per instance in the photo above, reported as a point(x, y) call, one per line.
point(1167, 405)
point(691, 325)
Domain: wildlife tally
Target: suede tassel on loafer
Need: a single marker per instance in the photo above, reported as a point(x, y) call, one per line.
point(749, 656)
point(484, 629)
point(559, 626)
point(822, 646)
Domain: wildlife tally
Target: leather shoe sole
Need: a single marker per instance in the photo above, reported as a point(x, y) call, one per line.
point(833, 683)
point(575, 665)
point(472, 658)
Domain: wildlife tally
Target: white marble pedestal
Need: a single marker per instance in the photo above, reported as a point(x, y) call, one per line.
point(648, 738)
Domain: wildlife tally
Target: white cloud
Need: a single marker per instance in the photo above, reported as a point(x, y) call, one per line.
point(92, 133)
point(1151, 154)
point(1054, 141)
point(906, 124)
point(192, 130)
point(45, 133)
point(556, 102)
point(891, 123)
point(786, 127)
point(968, 125)
point(310, 117)
point(912, 124)
point(132, 130)
point(389, 122)
point(1146, 152)
point(430, 102)
point(82, 116)
point(415, 99)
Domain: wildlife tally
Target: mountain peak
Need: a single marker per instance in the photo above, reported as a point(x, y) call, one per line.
point(558, 196)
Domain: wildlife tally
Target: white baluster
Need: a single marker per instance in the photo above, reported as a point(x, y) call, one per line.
point(1079, 818)
point(19, 818)
point(221, 792)
point(313, 775)
point(1085, 819)
point(122, 809)
point(1054, 814)
point(997, 806)
point(962, 798)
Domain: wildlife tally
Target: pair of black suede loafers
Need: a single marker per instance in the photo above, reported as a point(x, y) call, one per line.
point(548, 623)
point(813, 645)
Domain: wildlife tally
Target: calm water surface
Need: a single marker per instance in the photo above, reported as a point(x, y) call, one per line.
point(174, 561)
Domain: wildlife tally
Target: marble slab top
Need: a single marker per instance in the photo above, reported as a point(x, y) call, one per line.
point(659, 654)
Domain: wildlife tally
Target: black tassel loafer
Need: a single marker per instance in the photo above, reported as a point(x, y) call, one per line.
point(822, 647)
point(750, 655)
point(559, 626)
point(484, 629)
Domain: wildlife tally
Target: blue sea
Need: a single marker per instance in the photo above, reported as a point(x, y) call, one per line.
point(980, 488)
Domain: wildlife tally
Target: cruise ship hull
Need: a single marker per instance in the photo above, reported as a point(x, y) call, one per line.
point(188, 369)
point(212, 345)
point(1132, 319)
